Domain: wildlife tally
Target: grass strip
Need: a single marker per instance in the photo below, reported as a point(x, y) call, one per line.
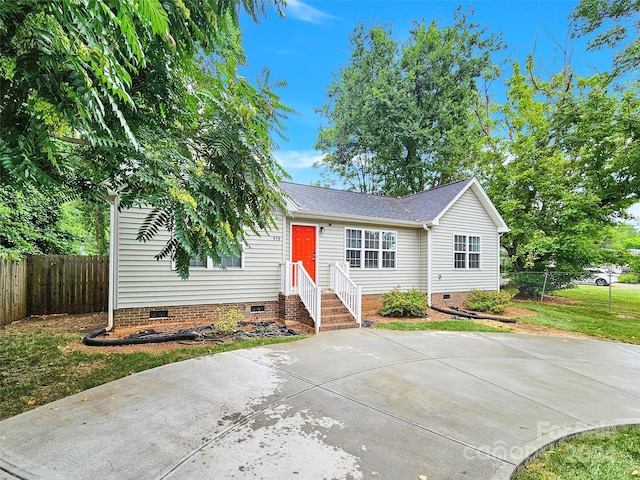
point(446, 325)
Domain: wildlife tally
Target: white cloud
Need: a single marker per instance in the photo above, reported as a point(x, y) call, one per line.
point(293, 159)
point(301, 11)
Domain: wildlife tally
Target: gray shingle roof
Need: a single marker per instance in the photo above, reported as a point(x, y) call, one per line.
point(420, 207)
point(426, 206)
point(344, 203)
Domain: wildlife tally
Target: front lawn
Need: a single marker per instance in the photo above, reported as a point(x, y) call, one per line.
point(40, 367)
point(585, 309)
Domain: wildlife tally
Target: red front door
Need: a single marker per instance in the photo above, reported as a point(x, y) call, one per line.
point(303, 247)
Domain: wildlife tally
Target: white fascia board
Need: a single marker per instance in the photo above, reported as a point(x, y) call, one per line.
point(356, 218)
point(290, 205)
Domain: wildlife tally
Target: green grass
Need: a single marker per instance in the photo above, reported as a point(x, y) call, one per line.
point(447, 325)
point(601, 455)
point(37, 368)
point(590, 314)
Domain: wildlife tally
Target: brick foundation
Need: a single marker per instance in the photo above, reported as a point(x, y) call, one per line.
point(192, 314)
point(288, 308)
point(371, 304)
point(291, 309)
point(456, 299)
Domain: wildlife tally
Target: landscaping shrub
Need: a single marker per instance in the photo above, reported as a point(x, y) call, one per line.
point(410, 303)
point(492, 302)
point(227, 321)
point(629, 278)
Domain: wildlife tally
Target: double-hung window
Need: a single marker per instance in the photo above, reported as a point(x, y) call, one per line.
point(466, 251)
point(226, 261)
point(365, 248)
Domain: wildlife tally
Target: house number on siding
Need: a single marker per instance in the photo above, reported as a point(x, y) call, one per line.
point(277, 238)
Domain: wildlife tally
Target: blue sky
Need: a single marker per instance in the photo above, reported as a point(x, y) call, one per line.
point(309, 45)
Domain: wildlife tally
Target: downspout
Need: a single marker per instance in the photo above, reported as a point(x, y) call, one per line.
point(499, 261)
point(427, 228)
point(113, 238)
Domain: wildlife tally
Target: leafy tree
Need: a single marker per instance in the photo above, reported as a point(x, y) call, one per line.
point(88, 223)
point(362, 108)
point(623, 236)
point(400, 117)
point(617, 21)
point(30, 223)
point(561, 165)
point(142, 97)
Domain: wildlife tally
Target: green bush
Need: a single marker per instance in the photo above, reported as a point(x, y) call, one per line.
point(397, 303)
point(227, 321)
point(492, 302)
point(629, 278)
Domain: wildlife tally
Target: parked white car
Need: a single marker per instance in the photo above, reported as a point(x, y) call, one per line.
point(600, 277)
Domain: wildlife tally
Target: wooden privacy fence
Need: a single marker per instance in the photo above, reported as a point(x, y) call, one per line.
point(67, 284)
point(46, 284)
point(13, 290)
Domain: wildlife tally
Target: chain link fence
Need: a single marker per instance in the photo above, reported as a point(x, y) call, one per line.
point(605, 288)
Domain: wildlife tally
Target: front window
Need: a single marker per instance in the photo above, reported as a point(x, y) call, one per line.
point(197, 262)
point(231, 261)
point(466, 252)
point(378, 250)
point(226, 261)
point(353, 247)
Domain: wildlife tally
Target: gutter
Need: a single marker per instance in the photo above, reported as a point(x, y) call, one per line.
point(427, 228)
point(353, 218)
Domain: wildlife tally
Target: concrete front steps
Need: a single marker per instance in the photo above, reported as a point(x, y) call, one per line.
point(335, 315)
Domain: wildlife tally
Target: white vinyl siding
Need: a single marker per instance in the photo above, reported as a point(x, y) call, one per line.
point(466, 218)
point(332, 245)
point(144, 281)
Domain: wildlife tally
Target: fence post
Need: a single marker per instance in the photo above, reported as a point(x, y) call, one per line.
point(544, 285)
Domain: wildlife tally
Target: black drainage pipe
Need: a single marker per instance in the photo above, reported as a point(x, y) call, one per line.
point(461, 313)
point(91, 340)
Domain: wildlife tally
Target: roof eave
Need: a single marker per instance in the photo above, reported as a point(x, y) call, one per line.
point(354, 218)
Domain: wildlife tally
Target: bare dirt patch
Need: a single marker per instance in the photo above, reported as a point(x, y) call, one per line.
point(57, 324)
point(82, 324)
point(511, 312)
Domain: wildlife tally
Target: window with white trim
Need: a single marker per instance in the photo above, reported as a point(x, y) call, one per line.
point(226, 261)
point(365, 248)
point(466, 251)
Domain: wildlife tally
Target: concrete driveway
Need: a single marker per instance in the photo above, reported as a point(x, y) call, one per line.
point(354, 404)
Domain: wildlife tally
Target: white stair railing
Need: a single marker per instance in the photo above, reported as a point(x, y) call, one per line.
point(347, 291)
point(297, 280)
